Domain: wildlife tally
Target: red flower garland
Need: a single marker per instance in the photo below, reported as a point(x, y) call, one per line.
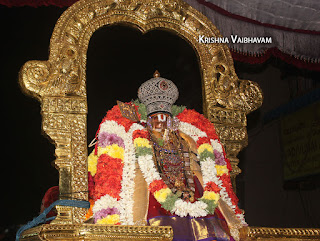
point(203, 140)
point(115, 115)
point(212, 187)
point(108, 177)
point(156, 186)
point(234, 199)
point(141, 134)
point(199, 121)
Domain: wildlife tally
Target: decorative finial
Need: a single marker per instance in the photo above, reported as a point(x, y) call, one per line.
point(156, 74)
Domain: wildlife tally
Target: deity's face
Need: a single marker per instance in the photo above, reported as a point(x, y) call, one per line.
point(159, 121)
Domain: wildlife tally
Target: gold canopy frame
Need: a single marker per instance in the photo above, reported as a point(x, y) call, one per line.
point(60, 85)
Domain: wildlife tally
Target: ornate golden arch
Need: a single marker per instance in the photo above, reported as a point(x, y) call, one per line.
point(60, 82)
point(60, 85)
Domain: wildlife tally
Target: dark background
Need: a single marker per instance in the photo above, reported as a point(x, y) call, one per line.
point(120, 58)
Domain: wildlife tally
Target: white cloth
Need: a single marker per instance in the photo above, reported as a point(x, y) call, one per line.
point(294, 14)
point(300, 45)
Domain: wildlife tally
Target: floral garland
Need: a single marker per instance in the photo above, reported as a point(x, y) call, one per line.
point(122, 142)
point(222, 164)
point(112, 166)
point(214, 167)
point(169, 201)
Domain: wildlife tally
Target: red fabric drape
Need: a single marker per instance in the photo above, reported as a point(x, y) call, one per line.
point(259, 59)
point(51, 195)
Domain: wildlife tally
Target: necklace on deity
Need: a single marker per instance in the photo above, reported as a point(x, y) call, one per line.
point(172, 158)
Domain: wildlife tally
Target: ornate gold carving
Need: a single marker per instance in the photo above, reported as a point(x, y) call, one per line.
point(232, 133)
point(119, 233)
point(60, 82)
point(33, 76)
point(64, 121)
point(232, 93)
point(53, 104)
point(97, 232)
point(225, 116)
point(103, 232)
point(292, 234)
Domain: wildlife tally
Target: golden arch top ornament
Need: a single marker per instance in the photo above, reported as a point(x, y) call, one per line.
point(60, 82)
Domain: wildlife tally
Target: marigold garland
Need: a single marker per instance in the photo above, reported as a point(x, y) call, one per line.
point(112, 219)
point(140, 133)
point(211, 186)
point(92, 163)
point(113, 150)
point(90, 213)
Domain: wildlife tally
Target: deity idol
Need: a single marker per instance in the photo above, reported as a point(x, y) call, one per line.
point(158, 164)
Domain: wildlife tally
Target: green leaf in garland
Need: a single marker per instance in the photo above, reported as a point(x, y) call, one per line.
point(175, 109)
point(211, 205)
point(142, 151)
point(205, 154)
point(142, 109)
point(169, 203)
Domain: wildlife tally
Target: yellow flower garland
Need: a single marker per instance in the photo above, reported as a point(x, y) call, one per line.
point(211, 195)
point(204, 147)
point(92, 163)
point(142, 142)
point(221, 170)
point(162, 194)
point(113, 151)
point(110, 219)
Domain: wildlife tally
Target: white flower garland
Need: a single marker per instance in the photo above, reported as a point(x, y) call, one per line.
point(104, 202)
point(150, 173)
point(113, 127)
point(181, 207)
point(191, 130)
point(125, 204)
point(223, 193)
point(127, 184)
point(209, 172)
point(196, 209)
point(216, 145)
point(148, 168)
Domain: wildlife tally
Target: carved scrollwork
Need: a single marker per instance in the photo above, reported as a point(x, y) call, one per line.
point(233, 93)
point(57, 77)
point(34, 77)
